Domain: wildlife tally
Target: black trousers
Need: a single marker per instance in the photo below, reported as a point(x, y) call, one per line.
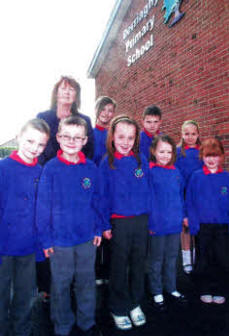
point(128, 253)
point(211, 267)
point(43, 276)
point(102, 264)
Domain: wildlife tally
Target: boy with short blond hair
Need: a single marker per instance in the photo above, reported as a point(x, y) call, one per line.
point(19, 176)
point(69, 228)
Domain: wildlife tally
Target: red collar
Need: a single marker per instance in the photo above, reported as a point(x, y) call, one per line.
point(100, 128)
point(153, 164)
point(14, 155)
point(119, 156)
point(196, 147)
point(82, 158)
point(207, 171)
point(149, 134)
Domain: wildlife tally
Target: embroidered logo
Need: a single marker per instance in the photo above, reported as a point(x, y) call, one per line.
point(138, 172)
point(86, 183)
point(224, 190)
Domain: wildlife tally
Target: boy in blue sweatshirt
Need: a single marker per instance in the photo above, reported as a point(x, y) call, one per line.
point(19, 176)
point(69, 229)
point(207, 201)
point(151, 125)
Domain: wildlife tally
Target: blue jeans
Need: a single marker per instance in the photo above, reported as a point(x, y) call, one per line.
point(67, 264)
point(16, 274)
point(163, 268)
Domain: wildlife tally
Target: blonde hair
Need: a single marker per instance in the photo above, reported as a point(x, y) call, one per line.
point(37, 124)
point(182, 143)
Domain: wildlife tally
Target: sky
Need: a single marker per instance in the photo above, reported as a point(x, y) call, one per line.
point(40, 41)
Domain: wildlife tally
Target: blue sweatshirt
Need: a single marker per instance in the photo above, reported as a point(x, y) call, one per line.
point(167, 190)
point(145, 142)
point(207, 199)
point(18, 187)
point(124, 191)
point(66, 203)
point(189, 163)
point(100, 137)
point(53, 146)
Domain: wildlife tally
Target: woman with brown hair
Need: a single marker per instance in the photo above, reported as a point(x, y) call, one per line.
point(65, 102)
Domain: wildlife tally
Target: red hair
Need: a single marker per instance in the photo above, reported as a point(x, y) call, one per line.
point(211, 147)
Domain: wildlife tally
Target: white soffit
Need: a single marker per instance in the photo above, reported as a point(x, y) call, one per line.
point(110, 33)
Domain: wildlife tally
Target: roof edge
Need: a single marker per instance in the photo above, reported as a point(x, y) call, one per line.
point(113, 24)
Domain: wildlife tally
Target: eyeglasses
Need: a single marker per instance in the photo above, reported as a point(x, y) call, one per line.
point(68, 138)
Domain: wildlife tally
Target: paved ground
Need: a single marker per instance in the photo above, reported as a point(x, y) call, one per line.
point(195, 319)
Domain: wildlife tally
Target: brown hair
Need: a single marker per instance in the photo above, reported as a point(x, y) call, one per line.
point(211, 147)
point(73, 120)
point(152, 110)
point(73, 83)
point(101, 102)
point(110, 143)
point(163, 138)
point(181, 143)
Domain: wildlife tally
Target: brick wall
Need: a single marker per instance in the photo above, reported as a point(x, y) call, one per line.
point(185, 73)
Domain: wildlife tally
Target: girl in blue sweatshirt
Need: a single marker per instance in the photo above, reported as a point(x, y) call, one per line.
point(207, 202)
point(19, 176)
point(187, 162)
point(124, 193)
point(165, 220)
point(104, 109)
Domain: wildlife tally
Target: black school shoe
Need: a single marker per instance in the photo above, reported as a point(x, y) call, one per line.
point(93, 331)
point(158, 303)
point(160, 306)
point(178, 298)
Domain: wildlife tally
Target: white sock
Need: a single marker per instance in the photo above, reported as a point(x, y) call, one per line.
point(186, 257)
point(158, 298)
point(176, 293)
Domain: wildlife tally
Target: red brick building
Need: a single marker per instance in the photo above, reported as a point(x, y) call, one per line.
point(183, 69)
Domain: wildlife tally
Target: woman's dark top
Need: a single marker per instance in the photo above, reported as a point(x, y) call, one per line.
point(52, 147)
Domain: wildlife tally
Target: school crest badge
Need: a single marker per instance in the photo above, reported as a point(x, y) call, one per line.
point(138, 172)
point(86, 183)
point(224, 190)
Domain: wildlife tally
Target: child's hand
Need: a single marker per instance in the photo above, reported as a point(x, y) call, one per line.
point(48, 252)
point(97, 240)
point(151, 232)
point(107, 234)
point(185, 222)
